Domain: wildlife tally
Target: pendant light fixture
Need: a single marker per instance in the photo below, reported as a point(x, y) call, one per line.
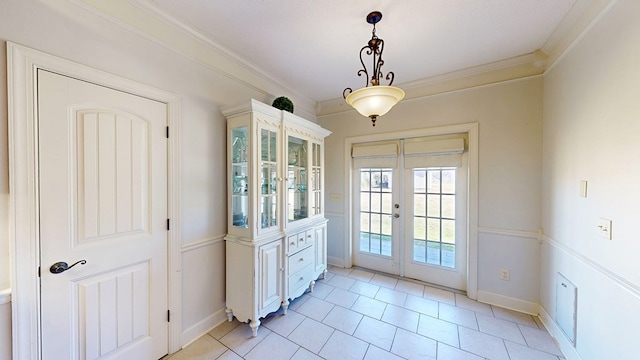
point(374, 99)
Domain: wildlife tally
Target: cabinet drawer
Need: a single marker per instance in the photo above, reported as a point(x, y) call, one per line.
point(300, 280)
point(292, 243)
point(299, 260)
point(309, 237)
point(301, 240)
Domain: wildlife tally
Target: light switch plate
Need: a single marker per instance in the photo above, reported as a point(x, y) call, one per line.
point(583, 188)
point(604, 228)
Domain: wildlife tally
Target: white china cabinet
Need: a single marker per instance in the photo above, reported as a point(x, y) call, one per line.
point(276, 245)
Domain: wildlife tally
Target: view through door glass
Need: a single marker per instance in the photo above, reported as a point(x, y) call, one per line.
point(376, 247)
point(376, 211)
point(434, 216)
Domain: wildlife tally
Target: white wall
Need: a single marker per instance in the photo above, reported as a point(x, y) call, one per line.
point(5, 325)
point(591, 126)
point(71, 32)
point(590, 131)
point(510, 127)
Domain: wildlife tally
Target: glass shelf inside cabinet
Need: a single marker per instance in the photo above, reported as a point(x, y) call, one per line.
point(297, 175)
point(268, 175)
point(316, 178)
point(240, 178)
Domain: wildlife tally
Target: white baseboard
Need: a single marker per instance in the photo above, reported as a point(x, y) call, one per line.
point(510, 303)
point(563, 343)
point(335, 261)
point(207, 324)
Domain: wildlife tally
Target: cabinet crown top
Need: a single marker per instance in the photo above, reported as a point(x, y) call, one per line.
point(254, 105)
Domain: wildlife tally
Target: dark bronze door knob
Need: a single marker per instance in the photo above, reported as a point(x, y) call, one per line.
point(62, 266)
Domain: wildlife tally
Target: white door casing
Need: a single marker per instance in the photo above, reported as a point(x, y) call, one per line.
point(103, 201)
point(23, 65)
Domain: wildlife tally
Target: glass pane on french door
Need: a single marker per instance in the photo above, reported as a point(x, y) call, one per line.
point(435, 236)
point(376, 247)
point(434, 216)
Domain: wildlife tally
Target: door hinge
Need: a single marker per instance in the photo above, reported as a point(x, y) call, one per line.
point(168, 315)
point(39, 271)
point(168, 224)
point(167, 132)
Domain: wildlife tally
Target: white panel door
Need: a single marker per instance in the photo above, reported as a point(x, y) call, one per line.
point(103, 200)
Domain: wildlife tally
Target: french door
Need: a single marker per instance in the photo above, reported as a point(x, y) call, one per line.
point(410, 214)
point(435, 241)
point(377, 246)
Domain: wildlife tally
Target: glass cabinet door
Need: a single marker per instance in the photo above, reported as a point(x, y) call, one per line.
point(297, 179)
point(240, 178)
point(268, 174)
point(316, 179)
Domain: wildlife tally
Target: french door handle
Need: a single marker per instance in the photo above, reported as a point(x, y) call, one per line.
point(396, 215)
point(62, 266)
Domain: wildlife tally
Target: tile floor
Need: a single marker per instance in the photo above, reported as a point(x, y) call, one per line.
point(357, 314)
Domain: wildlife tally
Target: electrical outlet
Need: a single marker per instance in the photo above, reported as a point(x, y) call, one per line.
point(505, 275)
point(604, 228)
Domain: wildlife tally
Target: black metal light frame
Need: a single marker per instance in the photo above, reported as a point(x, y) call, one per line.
point(374, 48)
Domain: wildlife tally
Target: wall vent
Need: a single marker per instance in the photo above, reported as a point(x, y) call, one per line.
point(566, 307)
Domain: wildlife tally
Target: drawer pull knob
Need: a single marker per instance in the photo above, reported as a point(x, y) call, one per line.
point(301, 278)
point(293, 243)
point(301, 259)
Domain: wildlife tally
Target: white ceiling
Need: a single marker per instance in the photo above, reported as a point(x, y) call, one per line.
point(312, 46)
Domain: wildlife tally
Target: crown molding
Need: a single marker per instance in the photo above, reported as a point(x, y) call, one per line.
point(505, 70)
point(582, 15)
point(147, 20)
point(576, 22)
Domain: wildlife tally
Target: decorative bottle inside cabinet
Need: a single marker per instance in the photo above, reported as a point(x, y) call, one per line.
point(276, 239)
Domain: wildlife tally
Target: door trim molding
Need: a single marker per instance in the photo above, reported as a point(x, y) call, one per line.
point(471, 129)
point(22, 66)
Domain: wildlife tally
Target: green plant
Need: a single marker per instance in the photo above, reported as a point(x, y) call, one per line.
point(283, 103)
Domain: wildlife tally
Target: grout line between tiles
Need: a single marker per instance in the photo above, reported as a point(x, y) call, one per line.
point(458, 304)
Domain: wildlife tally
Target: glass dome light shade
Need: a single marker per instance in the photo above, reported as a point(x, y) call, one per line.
point(375, 100)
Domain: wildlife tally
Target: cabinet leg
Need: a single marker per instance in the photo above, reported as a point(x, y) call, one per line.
point(311, 285)
point(324, 274)
point(254, 324)
point(285, 306)
point(229, 314)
